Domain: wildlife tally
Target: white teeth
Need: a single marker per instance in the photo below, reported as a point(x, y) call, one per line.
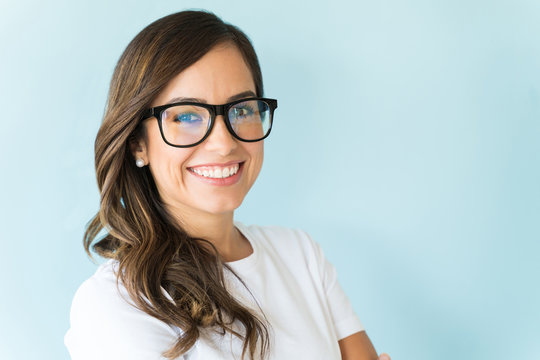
point(217, 172)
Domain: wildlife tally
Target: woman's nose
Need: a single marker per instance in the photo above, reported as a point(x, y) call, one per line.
point(220, 139)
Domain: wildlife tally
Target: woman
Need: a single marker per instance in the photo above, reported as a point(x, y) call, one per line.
point(179, 148)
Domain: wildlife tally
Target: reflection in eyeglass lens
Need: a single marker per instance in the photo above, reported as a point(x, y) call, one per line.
point(185, 124)
point(250, 120)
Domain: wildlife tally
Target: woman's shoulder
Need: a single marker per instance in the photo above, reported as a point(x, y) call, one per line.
point(100, 287)
point(100, 298)
point(103, 294)
point(102, 312)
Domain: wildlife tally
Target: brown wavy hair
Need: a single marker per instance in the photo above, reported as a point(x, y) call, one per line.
point(151, 247)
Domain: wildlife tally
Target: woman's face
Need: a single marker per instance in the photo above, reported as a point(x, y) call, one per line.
point(217, 78)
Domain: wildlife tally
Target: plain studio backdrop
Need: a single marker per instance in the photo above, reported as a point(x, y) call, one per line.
point(406, 142)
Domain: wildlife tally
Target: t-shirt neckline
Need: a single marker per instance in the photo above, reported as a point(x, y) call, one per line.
point(250, 260)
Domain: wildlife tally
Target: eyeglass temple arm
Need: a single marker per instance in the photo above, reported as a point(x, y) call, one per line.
point(148, 113)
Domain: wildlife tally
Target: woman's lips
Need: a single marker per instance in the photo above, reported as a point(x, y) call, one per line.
point(223, 175)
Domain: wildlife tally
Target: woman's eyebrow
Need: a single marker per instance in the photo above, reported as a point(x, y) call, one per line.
point(242, 95)
point(239, 96)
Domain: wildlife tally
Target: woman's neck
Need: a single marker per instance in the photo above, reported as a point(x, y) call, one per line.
point(219, 229)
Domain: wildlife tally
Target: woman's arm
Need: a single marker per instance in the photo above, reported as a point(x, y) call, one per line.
point(358, 347)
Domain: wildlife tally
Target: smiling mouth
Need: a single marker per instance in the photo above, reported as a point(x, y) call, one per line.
point(216, 172)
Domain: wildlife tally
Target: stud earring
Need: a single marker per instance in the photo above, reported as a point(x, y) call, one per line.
point(139, 162)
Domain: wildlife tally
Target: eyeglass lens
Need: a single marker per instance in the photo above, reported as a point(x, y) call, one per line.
point(188, 124)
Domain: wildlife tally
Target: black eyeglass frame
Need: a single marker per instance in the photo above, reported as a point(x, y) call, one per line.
point(214, 111)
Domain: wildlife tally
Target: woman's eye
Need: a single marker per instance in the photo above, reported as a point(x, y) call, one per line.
point(188, 118)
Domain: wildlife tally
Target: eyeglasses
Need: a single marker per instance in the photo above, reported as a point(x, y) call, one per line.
point(186, 124)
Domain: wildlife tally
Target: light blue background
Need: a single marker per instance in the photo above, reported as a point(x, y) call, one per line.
point(406, 142)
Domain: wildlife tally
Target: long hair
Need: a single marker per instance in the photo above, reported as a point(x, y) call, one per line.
point(152, 249)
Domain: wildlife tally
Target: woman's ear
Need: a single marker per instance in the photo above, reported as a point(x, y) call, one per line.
point(137, 146)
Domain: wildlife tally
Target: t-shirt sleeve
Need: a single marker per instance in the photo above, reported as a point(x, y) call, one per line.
point(346, 321)
point(105, 326)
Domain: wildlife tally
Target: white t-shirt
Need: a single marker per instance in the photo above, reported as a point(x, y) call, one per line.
point(288, 274)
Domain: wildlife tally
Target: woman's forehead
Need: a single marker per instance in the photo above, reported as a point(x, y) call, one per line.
point(218, 75)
